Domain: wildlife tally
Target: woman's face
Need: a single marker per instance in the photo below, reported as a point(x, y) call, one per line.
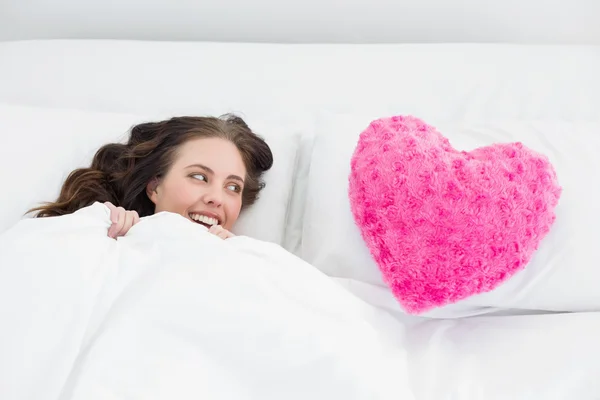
point(204, 184)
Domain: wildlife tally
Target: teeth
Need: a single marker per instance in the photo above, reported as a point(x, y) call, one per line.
point(204, 219)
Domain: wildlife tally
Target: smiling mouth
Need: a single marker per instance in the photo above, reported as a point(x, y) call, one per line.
point(204, 220)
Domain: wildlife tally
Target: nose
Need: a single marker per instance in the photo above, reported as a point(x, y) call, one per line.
point(213, 196)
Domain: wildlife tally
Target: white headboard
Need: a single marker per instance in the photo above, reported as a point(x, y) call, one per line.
point(314, 21)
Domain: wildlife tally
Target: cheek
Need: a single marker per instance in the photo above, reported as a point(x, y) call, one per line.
point(181, 195)
point(233, 209)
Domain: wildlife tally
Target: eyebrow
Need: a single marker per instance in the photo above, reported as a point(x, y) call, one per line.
point(210, 171)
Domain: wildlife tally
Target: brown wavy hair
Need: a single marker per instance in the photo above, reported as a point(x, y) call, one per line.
point(120, 172)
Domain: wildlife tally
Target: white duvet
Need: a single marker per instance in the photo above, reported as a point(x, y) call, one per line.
point(172, 312)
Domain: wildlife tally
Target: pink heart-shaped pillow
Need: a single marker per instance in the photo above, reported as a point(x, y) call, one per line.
point(444, 224)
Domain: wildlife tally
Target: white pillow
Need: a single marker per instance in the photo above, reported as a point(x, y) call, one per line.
point(40, 146)
point(562, 276)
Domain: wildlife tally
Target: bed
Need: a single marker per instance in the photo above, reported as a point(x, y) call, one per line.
point(533, 337)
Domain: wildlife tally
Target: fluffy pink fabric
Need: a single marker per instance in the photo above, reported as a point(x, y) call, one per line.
point(444, 224)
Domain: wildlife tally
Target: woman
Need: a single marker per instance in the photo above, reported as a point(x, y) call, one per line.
point(204, 168)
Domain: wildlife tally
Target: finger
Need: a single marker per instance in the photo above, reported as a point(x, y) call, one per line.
point(136, 217)
point(127, 224)
point(113, 211)
point(215, 229)
point(118, 225)
point(218, 231)
point(227, 234)
point(113, 217)
point(221, 232)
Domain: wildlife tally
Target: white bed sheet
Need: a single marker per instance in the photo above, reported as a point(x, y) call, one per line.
point(550, 357)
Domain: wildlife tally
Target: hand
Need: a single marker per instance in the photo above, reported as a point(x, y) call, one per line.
point(221, 232)
point(122, 220)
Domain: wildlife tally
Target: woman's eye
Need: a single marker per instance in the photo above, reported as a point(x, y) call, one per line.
point(199, 177)
point(234, 188)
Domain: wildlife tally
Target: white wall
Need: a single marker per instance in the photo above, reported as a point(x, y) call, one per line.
point(356, 21)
